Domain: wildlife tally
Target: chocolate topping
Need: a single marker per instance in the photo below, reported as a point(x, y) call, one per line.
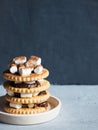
point(42, 93)
point(24, 85)
point(43, 104)
point(37, 83)
point(17, 95)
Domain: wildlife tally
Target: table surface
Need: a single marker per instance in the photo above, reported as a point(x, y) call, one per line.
point(79, 109)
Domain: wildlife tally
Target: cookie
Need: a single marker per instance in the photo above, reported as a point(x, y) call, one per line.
point(28, 100)
point(35, 110)
point(18, 78)
point(44, 85)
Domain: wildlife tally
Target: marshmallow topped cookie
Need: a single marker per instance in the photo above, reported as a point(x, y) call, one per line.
point(22, 70)
point(26, 86)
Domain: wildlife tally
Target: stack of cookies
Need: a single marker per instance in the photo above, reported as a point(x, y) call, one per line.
point(26, 86)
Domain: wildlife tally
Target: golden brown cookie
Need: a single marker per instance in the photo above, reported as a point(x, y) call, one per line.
point(28, 100)
point(25, 110)
point(44, 85)
point(33, 76)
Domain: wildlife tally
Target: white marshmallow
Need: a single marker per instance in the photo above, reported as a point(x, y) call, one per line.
point(20, 60)
point(25, 71)
point(32, 82)
point(36, 60)
point(13, 69)
point(38, 69)
point(26, 95)
point(14, 105)
point(30, 105)
point(10, 93)
point(29, 63)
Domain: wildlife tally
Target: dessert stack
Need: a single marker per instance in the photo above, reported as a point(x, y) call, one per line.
point(26, 86)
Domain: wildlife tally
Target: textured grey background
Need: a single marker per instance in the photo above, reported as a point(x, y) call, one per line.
point(63, 32)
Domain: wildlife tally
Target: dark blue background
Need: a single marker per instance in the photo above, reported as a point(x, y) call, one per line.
point(63, 32)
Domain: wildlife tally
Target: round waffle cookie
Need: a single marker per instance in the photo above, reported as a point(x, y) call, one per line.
point(28, 100)
point(18, 78)
point(29, 88)
point(35, 110)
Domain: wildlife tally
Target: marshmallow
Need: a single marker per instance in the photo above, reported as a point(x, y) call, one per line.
point(13, 68)
point(17, 106)
point(26, 95)
point(32, 82)
point(29, 63)
point(25, 71)
point(36, 60)
point(38, 69)
point(20, 60)
point(10, 93)
point(31, 105)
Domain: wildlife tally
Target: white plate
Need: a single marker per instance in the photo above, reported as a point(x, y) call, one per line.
point(55, 105)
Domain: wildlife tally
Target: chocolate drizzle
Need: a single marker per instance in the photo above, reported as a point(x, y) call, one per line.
point(24, 85)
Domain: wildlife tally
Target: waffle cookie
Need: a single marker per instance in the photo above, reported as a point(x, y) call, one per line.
point(26, 86)
point(26, 78)
point(21, 98)
point(42, 107)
